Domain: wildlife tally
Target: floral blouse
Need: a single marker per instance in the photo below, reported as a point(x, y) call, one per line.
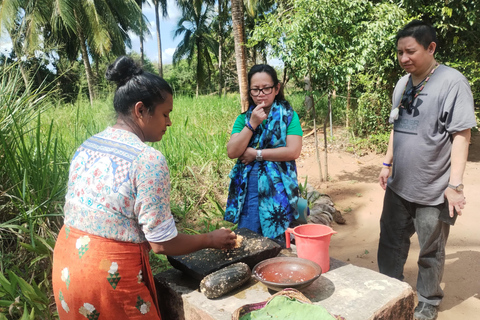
point(119, 188)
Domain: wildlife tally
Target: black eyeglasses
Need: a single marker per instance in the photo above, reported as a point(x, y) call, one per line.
point(407, 99)
point(266, 91)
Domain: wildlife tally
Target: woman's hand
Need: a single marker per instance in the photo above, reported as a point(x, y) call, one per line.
point(248, 156)
point(222, 239)
point(258, 115)
point(187, 243)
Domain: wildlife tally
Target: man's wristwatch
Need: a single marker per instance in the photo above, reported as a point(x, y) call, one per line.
point(456, 188)
point(259, 155)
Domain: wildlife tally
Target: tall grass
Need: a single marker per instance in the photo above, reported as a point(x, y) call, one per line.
point(31, 187)
point(30, 166)
point(199, 132)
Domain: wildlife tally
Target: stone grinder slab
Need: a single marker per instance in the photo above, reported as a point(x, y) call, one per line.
point(253, 249)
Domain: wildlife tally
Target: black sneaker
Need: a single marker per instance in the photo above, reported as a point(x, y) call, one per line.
point(425, 311)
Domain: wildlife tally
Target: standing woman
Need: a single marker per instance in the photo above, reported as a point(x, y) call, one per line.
point(266, 140)
point(118, 208)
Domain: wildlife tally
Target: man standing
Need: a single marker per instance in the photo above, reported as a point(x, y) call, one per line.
point(432, 114)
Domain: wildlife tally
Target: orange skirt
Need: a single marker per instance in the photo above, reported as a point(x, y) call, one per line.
point(98, 278)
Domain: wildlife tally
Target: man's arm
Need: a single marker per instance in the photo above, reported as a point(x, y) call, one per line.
point(385, 172)
point(458, 158)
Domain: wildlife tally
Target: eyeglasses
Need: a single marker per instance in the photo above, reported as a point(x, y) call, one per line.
point(407, 99)
point(266, 91)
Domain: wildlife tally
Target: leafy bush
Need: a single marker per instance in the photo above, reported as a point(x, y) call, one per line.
point(371, 115)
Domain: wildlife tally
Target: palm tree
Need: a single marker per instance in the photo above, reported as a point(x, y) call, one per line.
point(25, 22)
point(144, 29)
point(101, 27)
point(240, 57)
point(195, 27)
point(222, 9)
point(256, 12)
point(163, 5)
point(252, 7)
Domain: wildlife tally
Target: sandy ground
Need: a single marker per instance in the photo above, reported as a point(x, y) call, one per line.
point(355, 191)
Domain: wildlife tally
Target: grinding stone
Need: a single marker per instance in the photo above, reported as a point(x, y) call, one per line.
point(253, 249)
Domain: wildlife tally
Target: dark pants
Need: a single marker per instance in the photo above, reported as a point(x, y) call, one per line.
point(400, 220)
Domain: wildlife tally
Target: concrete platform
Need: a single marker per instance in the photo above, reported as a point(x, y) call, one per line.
point(352, 292)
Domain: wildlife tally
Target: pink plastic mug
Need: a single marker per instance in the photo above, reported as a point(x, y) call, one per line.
point(312, 241)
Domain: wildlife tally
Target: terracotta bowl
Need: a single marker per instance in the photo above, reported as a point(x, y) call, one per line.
point(286, 272)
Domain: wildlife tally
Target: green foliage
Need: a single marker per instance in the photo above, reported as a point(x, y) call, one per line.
point(199, 134)
point(25, 282)
point(16, 293)
point(104, 24)
point(197, 41)
point(369, 116)
point(302, 189)
point(195, 148)
point(377, 143)
point(313, 42)
point(30, 167)
point(181, 78)
point(33, 177)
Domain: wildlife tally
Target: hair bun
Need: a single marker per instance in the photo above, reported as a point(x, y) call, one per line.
point(122, 70)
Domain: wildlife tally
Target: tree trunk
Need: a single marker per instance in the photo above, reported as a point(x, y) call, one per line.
point(21, 64)
point(330, 112)
point(86, 62)
point(325, 133)
point(199, 67)
point(308, 102)
point(142, 56)
point(159, 39)
point(284, 80)
point(348, 102)
point(326, 148)
point(240, 57)
point(97, 70)
point(220, 45)
point(24, 73)
point(317, 152)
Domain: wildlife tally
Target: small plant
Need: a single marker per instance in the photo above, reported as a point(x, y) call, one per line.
point(158, 263)
point(24, 285)
point(181, 210)
point(302, 188)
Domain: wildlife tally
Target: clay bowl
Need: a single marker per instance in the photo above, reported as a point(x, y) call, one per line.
point(286, 272)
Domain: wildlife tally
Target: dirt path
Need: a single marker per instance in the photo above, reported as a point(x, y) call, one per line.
point(354, 189)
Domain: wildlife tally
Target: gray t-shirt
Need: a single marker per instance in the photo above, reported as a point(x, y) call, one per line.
point(422, 140)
